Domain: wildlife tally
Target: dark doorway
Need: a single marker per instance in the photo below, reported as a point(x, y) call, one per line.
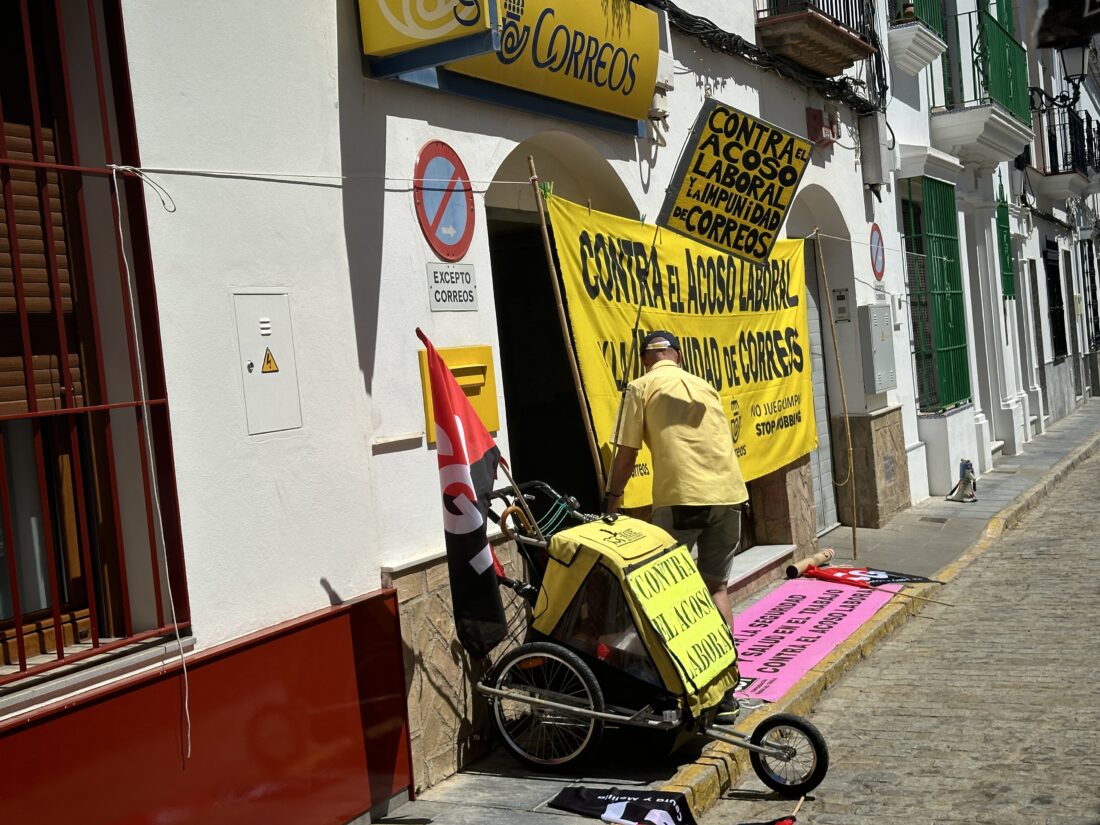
point(546, 433)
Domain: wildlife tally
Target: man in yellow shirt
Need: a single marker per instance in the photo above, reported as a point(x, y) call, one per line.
point(697, 484)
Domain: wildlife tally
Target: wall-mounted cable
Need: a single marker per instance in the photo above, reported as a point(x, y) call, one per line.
point(843, 89)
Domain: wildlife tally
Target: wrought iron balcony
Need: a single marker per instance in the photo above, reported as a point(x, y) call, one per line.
point(1062, 154)
point(981, 108)
point(1092, 146)
point(929, 12)
point(916, 34)
point(825, 36)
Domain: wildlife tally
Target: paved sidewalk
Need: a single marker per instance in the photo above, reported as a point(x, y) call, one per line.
point(984, 711)
point(935, 538)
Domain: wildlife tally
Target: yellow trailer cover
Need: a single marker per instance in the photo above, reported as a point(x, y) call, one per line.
point(674, 614)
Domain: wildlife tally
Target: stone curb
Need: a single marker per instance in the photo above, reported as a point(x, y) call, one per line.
point(721, 766)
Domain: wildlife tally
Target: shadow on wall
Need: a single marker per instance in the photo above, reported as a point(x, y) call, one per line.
point(363, 161)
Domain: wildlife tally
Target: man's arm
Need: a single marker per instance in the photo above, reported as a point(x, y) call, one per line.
point(621, 468)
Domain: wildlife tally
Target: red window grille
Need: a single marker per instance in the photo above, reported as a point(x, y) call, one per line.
point(90, 548)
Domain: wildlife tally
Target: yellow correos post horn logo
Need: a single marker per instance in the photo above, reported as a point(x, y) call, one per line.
point(391, 26)
point(580, 53)
point(575, 52)
point(735, 182)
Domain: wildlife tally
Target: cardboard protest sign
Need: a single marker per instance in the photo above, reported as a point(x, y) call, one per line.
point(674, 598)
point(735, 182)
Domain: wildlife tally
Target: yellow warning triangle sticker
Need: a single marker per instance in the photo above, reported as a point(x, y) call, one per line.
point(269, 362)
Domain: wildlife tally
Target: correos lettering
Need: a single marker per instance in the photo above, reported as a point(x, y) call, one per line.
point(573, 53)
point(453, 296)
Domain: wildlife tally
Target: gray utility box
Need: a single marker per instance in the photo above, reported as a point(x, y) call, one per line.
point(877, 334)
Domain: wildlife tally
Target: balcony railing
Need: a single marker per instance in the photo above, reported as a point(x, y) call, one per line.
point(1092, 143)
point(824, 36)
point(929, 12)
point(850, 14)
point(1065, 142)
point(984, 64)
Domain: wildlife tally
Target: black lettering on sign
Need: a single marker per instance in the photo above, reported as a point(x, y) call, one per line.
point(735, 182)
point(708, 650)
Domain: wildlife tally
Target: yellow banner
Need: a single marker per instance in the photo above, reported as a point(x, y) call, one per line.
point(577, 52)
point(392, 26)
point(671, 593)
point(735, 181)
point(743, 327)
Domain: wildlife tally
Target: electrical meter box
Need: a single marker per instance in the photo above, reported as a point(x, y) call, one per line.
point(877, 334)
point(268, 369)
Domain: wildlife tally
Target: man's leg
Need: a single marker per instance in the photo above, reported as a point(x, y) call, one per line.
point(720, 594)
point(718, 544)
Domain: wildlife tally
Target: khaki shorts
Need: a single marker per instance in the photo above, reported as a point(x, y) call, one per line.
point(716, 528)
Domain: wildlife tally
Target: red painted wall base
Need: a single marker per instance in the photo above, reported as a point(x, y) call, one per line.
point(302, 723)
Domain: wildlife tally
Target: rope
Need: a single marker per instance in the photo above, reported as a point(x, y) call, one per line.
point(843, 398)
point(155, 488)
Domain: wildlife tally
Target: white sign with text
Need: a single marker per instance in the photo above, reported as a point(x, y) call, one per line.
point(451, 287)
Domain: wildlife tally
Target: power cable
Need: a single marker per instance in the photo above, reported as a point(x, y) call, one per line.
point(844, 90)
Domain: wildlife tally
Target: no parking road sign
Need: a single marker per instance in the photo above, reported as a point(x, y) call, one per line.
point(444, 200)
point(878, 252)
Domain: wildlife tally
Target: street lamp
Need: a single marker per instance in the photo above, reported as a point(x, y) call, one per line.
point(1075, 62)
point(1075, 65)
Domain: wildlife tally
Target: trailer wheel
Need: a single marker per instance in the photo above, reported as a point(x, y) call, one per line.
point(544, 737)
point(809, 759)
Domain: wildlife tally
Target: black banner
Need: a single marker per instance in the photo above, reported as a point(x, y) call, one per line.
point(614, 805)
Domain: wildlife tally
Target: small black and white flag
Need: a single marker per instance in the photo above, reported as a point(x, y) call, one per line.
point(626, 807)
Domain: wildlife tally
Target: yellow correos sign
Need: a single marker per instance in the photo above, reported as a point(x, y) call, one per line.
point(735, 181)
point(391, 26)
point(742, 326)
point(576, 52)
point(673, 596)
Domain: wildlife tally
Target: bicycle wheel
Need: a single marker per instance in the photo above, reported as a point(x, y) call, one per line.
point(809, 756)
point(545, 737)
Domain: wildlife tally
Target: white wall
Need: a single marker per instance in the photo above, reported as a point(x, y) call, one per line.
point(220, 86)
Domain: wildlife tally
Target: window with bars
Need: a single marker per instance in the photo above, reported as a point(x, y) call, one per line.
point(89, 532)
point(1056, 305)
point(1004, 249)
point(934, 278)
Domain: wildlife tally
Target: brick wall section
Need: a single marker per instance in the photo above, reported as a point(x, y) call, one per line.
point(782, 507)
point(880, 467)
point(449, 724)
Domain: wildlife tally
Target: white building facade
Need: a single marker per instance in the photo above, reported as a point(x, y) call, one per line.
point(257, 430)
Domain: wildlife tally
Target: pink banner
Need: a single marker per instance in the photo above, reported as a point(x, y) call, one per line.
point(794, 627)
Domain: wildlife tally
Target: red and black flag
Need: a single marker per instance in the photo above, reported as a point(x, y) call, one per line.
point(468, 459)
point(840, 575)
point(863, 576)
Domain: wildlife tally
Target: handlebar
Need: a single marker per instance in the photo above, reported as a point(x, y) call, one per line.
point(558, 509)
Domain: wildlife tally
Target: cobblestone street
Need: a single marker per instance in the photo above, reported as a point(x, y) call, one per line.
point(987, 711)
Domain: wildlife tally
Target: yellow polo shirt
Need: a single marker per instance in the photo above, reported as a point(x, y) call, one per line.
point(681, 419)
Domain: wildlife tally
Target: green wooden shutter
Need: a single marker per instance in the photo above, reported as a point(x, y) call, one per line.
point(1004, 247)
point(935, 295)
point(916, 278)
point(941, 232)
